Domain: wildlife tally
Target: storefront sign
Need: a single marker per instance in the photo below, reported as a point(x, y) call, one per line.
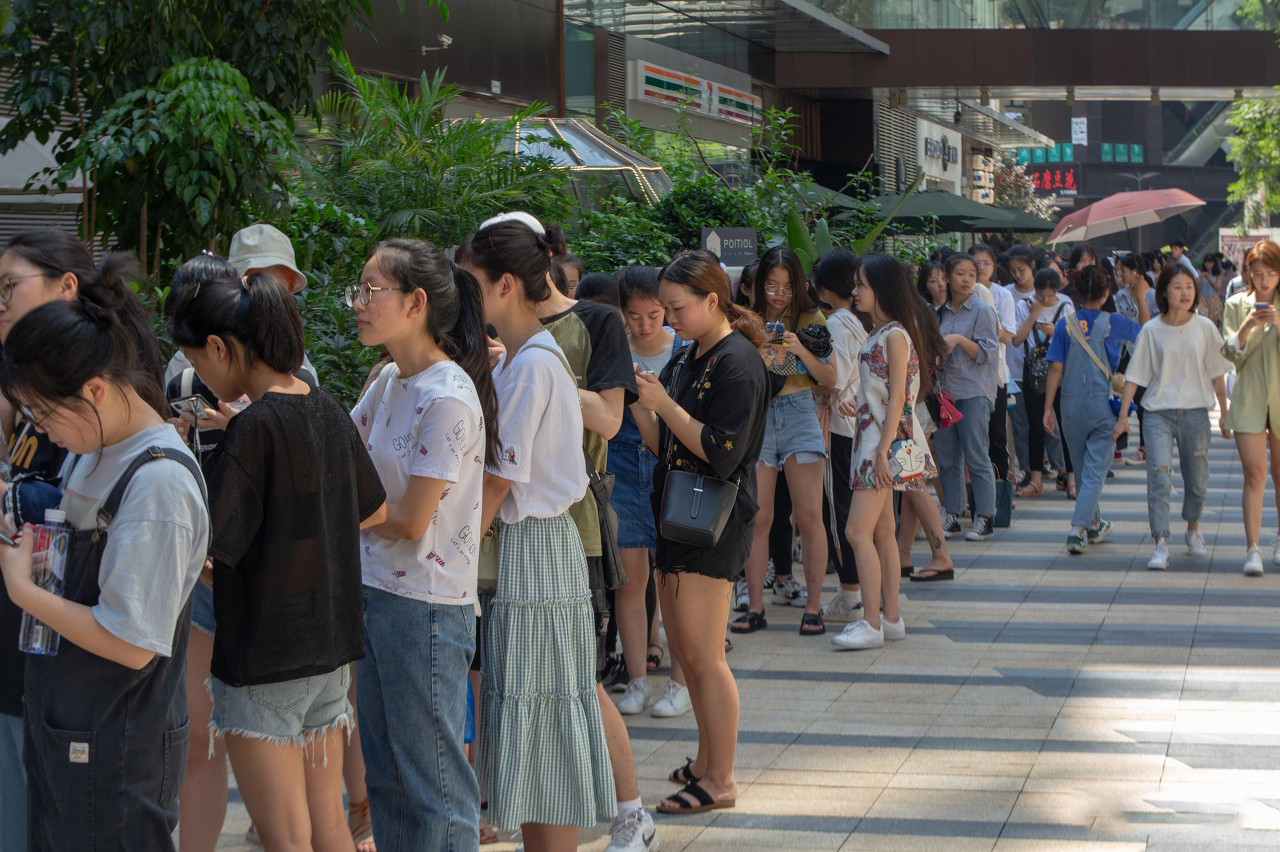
point(1056, 181)
point(1079, 131)
point(939, 151)
point(732, 105)
point(734, 246)
point(668, 87)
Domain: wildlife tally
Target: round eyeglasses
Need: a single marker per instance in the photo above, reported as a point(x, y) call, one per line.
point(363, 292)
point(8, 282)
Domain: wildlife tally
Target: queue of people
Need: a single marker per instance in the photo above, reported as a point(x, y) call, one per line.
point(362, 589)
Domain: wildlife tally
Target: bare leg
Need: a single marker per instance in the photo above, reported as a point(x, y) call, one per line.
point(539, 837)
point(353, 767)
point(926, 511)
point(619, 743)
point(806, 485)
point(1253, 458)
point(631, 611)
point(203, 798)
point(758, 561)
point(866, 514)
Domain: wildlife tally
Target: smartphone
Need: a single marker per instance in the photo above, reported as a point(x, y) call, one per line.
point(194, 405)
point(5, 539)
point(777, 329)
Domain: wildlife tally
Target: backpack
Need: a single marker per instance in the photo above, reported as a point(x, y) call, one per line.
point(1035, 369)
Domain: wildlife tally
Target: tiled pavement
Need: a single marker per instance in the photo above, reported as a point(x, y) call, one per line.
point(1041, 701)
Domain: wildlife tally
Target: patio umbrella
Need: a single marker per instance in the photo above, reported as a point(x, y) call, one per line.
point(1017, 221)
point(1123, 211)
point(953, 212)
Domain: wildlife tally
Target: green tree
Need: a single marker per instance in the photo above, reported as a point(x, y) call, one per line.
point(1255, 152)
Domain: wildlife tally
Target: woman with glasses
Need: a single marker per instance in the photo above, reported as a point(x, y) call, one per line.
point(419, 565)
point(793, 442)
point(37, 267)
point(1036, 316)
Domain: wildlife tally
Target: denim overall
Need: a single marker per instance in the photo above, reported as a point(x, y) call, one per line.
point(1087, 420)
point(106, 746)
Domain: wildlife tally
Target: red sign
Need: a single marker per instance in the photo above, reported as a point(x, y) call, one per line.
point(1056, 181)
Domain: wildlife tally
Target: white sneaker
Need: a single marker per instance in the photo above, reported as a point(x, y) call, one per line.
point(840, 611)
point(893, 630)
point(858, 636)
point(1160, 559)
point(741, 598)
point(633, 832)
point(789, 593)
point(1195, 544)
point(1253, 565)
point(674, 702)
point(637, 697)
point(1275, 551)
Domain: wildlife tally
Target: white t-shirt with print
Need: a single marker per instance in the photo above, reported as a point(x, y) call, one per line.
point(1018, 354)
point(540, 429)
point(1177, 364)
point(428, 425)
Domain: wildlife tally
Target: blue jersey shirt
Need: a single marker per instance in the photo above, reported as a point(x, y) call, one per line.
point(1123, 330)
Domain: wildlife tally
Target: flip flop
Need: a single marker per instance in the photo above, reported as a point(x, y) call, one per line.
point(683, 806)
point(684, 775)
point(907, 570)
point(933, 575)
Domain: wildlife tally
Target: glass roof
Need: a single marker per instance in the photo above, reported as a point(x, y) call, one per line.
point(580, 146)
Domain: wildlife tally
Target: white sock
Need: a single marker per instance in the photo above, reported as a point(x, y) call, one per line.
point(627, 807)
point(850, 597)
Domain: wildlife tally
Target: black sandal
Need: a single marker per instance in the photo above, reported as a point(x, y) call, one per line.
point(907, 570)
point(748, 623)
point(684, 775)
point(812, 619)
point(653, 661)
point(698, 800)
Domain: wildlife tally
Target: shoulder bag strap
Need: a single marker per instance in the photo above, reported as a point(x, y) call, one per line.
point(1073, 328)
point(112, 505)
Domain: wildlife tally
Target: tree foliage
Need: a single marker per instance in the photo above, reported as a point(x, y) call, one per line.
point(1255, 152)
point(1014, 188)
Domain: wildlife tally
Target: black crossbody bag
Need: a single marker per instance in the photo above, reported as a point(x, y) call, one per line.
point(695, 507)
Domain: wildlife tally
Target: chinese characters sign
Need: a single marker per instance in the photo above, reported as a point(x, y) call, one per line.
point(1058, 181)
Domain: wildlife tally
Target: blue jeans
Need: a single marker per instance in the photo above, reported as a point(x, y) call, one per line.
point(1087, 424)
point(1190, 428)
point(13, 785)
point(966, 443)
point(412, 707)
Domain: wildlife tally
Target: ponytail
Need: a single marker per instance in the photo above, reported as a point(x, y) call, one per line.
point(746, 322)
point(468, 346)
point(208, 299)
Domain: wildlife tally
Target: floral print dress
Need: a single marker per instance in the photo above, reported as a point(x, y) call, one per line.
point(873, 398)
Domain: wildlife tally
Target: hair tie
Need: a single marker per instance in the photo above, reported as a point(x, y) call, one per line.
point(244, 283)
point(207, 253)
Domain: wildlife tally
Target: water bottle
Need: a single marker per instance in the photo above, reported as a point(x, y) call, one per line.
point(49, 565)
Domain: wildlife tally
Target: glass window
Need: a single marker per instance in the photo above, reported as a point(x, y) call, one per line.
point(579, 69)
point(1135, 153)
point(1108, 152)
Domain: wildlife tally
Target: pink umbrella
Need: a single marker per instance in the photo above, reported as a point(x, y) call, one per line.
point(1123, 211)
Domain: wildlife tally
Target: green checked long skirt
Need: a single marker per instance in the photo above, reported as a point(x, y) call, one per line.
point(543, 757)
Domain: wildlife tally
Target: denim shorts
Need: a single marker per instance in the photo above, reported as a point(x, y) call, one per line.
point(791, 429)
point(291, 711)
point(202, 609)
point(632, 466)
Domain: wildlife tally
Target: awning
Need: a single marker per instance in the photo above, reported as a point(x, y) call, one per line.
point(792, 26)
point(978, 122)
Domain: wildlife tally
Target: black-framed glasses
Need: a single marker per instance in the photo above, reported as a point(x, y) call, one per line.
point(8, 282)
point(363, 291)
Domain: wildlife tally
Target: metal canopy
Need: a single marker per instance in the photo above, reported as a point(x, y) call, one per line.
point(581, 148)
point(978, 122)
point(792, 26)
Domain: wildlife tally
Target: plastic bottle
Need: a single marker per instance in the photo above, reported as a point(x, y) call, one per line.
point(49, 565)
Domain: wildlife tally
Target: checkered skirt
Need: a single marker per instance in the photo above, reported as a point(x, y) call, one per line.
point(543, 757)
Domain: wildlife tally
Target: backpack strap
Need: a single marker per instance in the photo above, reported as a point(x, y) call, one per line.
point(112, 505)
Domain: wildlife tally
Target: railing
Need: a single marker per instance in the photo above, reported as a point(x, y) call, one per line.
point(1204, 125)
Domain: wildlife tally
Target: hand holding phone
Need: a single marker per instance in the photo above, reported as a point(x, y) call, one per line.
point(195, 405)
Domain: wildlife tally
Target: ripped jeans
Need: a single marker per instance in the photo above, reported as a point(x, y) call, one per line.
point(1189, 427)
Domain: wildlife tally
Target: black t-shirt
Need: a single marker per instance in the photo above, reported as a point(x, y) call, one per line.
point(30, 451)
point(727, 389)
point(288, 487)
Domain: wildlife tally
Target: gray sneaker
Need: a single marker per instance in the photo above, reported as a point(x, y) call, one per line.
point(789, 592)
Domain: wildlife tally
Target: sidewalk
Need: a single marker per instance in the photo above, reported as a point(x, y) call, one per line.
point(1040, 701)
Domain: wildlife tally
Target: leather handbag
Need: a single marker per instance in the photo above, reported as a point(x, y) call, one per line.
point(601, 485)
point(695, 507)
point(942, 408)
point(487, 568)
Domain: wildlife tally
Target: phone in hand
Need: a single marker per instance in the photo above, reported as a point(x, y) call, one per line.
point(5, 538)
point(777, 329)
point(194, 405)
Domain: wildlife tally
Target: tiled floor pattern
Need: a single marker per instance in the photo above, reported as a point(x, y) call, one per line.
point(1040, 702)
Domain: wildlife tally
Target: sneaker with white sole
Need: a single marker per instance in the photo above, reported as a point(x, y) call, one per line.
point(1253, 564)
point(893, 630)
point(1140, 457)
point(1195, 544)
point(1077, 541)
point(741, 597)
point(637, 697)
point(769, 574)
point(839, 610)
point(633, 832)
point(859, 636)
point(981, 529)
point(1275, 551)
point(674, 702)
point(789, 592)
point(1101, 531)
point(950, 525)
point(1160, 558)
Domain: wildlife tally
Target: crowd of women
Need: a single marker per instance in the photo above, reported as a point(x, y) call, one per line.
point(416, 600)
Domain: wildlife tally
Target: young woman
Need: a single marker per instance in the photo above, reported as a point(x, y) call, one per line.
point(890, 453)
point(997, 429)
point(1179, 362)
point(284, 553)
point(419, 564)
point(1252, 342)
point(632, 464)
point(709, 408)
point(106, 717)
point(793, 441)
point(37, 267)
point(544, 765)
point(1086, 415)
point(932, 283)
point(834, 279)
point(970, 375)
point(1036, 318)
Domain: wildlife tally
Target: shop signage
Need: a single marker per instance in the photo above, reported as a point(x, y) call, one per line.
point(1056, 181)
point(1079, 131)
point(939, 151)
point(734, 246)
point(668, 87)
